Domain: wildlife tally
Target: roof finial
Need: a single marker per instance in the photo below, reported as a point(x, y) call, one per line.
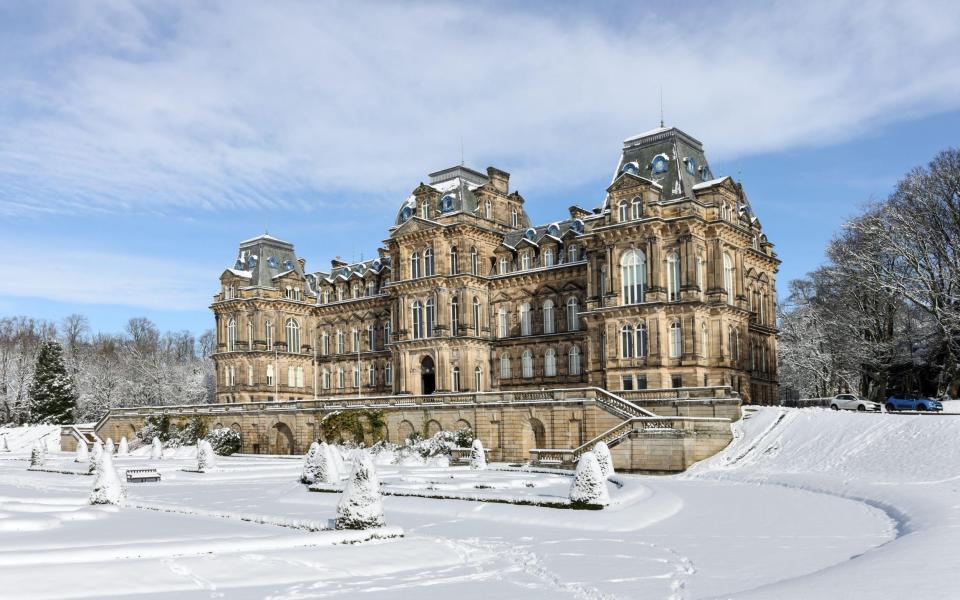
point(661, 105)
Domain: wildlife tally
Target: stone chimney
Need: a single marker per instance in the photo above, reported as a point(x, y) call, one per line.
point(578, 213)
point(500, 180)
point(303, 264)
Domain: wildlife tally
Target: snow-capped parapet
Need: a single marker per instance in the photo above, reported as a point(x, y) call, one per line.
point(589, 488)
point(109, 448)
point(156, 450)
point(37, 456)
point(123, 449)
point(107, 487)
point(206, 457)
point(478, 459)
point(361, 506)
point(602, 452)
point(83, 455)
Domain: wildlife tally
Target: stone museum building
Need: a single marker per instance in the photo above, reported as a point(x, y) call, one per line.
point(665, 280)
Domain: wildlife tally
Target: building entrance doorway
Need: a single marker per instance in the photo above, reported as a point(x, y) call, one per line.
point(428, 377)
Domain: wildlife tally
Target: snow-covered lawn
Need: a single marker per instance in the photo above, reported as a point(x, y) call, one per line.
point(804, 504)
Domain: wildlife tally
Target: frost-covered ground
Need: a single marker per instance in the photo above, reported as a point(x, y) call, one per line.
point(804, 504)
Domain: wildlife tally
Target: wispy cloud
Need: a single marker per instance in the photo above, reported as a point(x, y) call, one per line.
point(82, 276)
point(226, 106)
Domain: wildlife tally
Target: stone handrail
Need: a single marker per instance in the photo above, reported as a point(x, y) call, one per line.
point(620, 406)
point(691, 393)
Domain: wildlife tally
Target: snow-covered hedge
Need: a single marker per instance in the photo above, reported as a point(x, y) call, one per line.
point(225, 441)
point(589, 487)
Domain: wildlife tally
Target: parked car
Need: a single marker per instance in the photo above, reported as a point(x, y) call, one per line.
point(911, 402)
point(852, 402)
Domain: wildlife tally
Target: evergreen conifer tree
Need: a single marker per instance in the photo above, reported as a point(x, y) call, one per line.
point(52, 395)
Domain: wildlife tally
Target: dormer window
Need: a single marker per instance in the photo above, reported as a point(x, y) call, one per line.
point(705, 174)
point(636, 208)
point(405, 214)
point(525, 261)
point(425, 209)
point(691, 165)
point(577, 226)
point(287, 265)
point(273, 263)
point(631, 167)
point(530, 234)
point(659, 164)
point(487, 210)
point(446, 203)
point(553, 229)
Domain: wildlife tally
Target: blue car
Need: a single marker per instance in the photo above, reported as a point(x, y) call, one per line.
point(910, 402)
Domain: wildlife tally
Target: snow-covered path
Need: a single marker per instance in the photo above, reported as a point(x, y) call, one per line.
point(804, 504)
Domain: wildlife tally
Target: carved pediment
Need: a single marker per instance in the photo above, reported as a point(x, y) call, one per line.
point(628, 181)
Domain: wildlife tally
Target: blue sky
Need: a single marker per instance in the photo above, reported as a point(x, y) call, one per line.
point(139, 142)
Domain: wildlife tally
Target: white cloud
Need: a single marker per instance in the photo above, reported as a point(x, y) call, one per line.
point(232, 105)
point(68, 274)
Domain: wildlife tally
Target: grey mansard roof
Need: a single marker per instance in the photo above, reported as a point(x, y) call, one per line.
point(265, 258)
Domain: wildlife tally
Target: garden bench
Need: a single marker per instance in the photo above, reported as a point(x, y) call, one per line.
point(142, 475)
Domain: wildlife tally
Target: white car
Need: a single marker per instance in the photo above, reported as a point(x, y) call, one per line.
point(851, 402)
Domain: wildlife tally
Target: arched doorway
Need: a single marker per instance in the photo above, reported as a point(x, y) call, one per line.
point(428, 377)
point(284, 443)
point(534, 435)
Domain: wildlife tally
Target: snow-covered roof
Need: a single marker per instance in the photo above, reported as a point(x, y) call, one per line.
point(646, 134)
point(266, 237)
point(244, 274)
point(711, 183)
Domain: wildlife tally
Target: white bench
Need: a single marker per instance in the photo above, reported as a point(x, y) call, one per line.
point(142, 475)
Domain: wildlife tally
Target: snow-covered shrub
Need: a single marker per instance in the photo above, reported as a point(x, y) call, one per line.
point(96, 452)
point(123, 449)
point(4, 446)
point(602, 452)
point(361, 506)
point(37, 456)
point(188, 435)
point(107, 487)
point(336, 461)
point(441, 443)
point(206, 457)
point(154, 427)
point(478, 458)
point(464, 437)
point(109, 448)
point(156, 449)
point(83, 455)
point(307, 474)
point(225, 441)
point(589, 487)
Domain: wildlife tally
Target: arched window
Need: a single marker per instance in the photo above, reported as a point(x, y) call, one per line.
point(415, 265)
point(728, 277)
point(386, 333)
point(504, 265)
point(525, 260)
point(626, 341)
point(704, 340)
point(325, 379)
point(356, 377)
point(270, 375)
point(454, 267)
point(548, 257)
point(762, 308)
point(478, 379)
point(526, 363)
point(633, 276)
point(425, 209)
point(473, 261)
point(573, 318)
point(340, 343)
point(673, 277)
point(503, 324)
point(428, 262)
point(734, 344)
point(505, 366)
point(456, 379)
point(454, 316)
point(341, 381)
point(416, 319)
point(550, 363)
point(249, 335)
point(623, 208)
point(231, 335)
point(636, 208)
point(325, 343)
point(573, 361)
point(431, 321)
point(572, 253)
point(476, 316)
point(487, 212)
point(388, 374)
point(676, 340)
point(355, 340)
point(371, 337)
point(549, 319)
point(514, 220)
point(293, 335)
point(525, 320)
point(700, 273)
point(643, 344)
